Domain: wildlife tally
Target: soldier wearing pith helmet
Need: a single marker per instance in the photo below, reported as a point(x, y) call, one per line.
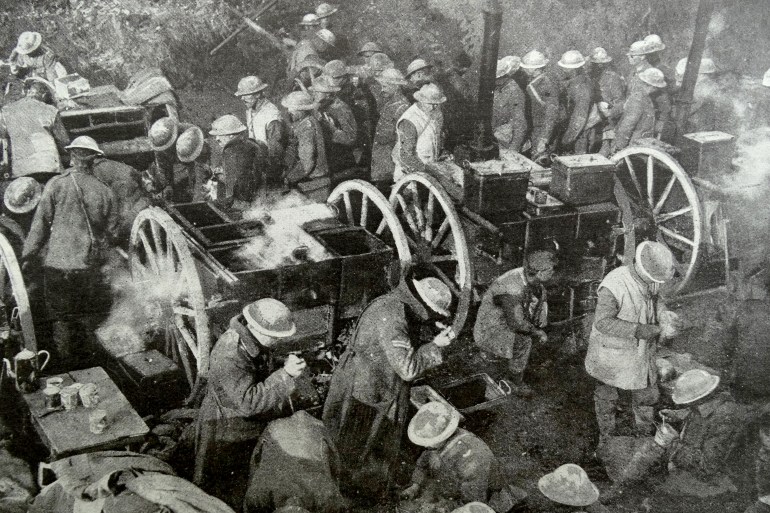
point(543, 94)
point(610, 95)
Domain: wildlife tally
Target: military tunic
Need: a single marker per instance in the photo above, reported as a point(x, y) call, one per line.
point(340, 132)
point(578, 99)
point(509, 116)
point(306, 165)
point(543, 96)
point(385, 137)
point(638, 119)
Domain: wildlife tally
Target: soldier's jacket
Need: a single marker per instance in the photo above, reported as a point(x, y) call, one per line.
point(340, 132)
point(543, 107)
point(306, 152)
point(611, 88)
point(661, 99)
point(392, 108)
point(510, 107)
point(638, 118)
point(578, 98)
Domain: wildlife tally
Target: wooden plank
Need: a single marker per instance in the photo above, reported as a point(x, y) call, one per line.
point(66, 433)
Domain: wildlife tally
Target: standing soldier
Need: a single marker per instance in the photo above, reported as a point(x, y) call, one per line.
point(338, 124)
point(623, 341)
point(32, 133)
point(325, 13)
point(610, 95)
point(419, 132)
point(418, 73)
point(246, 389)
point(638, 55)
point(393, 104)
point(310, 25)
point(378, 63)
point(30, 59)
point(578, 98)
point(239, 179)
point(159, 177)
point(193, 153)
point(543, 95)
point(638, 119)
point(663, 99)
point(309, 69)
point(320, 44)
point(513, 311)
point(509, 113)
point(368, 402)
point(708, 108)
point(74, 224)
point(265, 125)
point(306, 166)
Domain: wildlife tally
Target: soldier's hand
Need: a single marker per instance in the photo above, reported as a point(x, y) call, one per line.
point(542, 336)
point(294, 365)
point(445, 337)
point(604, 108)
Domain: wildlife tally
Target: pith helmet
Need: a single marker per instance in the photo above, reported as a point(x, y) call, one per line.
point(190, 144)
point(227, 125)
point(654, 261)
point(336, 69)
point(392, 76)
point(85, 142)
point(693, 385)
point(324, 84)
point(270, 317)
point(600, 56)
point(653, 77)
point(327, 36)
point(310, 20)
point(312, 61)
point(507, 65)
point(433, 424)
point(434, 292)
point(28, 42)
point(324, 10)
point(655, 43)
point(569, 485)
point(22, 195)
point(534, 60)
point(163, 133)
point(572, 59)
point(473, 507)
point(370, 47)
point(299, 100)
point(380, 62)
point(250, 85)
point(416, 65)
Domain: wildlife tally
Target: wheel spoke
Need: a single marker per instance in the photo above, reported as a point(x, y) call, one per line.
point(668, 216)
point(441, 234)
point(381, 227)
point(429, 216)
point(443, 277)
point(408, 216)
point(664, 196)
point(443, 258)
point(364, 210)
point(632, 173)
point(184, 355)
point(348, 207)
point(183, 310)
point(674, 235)
point(650, 179)
point(149, 253)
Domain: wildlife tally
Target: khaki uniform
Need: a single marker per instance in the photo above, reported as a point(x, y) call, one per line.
point(543, 96)
point(265, 125)
point(306, 166)
point(509, 116)
point(385, 137)
point(340, 132)
point(638, 119)
point(578, 100)
point(610, 88)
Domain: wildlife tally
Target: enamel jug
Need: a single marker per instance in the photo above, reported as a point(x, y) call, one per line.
point(25, 369)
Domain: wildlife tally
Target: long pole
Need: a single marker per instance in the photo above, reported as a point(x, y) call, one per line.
point(243, 26)
point(493, 20)
point(687, 91)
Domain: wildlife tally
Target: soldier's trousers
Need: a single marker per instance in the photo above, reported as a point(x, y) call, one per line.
point(606, 401)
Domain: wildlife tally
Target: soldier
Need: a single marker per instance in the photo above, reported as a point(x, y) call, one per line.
point(609, 95)
point(623, 342)
point(638, 119)
point(419, 132)
point(325, 12)
point(320, 44)
point(509, 113)
point(543, 94)
point(246, 389)
point(707, 112)
point(159, 179)
point(126, 185)
point(418, 73)
point(31, 59)
point(309, 69)
point(663, 99)
point(33, 132)
point(368, 402)
point(74, 225)
point(641, 54)
point(392, 106)
point(193, 152)
point(339, 127)
point(513, 312)
point(578, 99)
point(378, 63)
point(265, 124)
point(239, 179)
point(306, 166)
point(310, 26)
point(367, 50)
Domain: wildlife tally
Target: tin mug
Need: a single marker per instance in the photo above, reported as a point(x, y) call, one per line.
point(52, 397)
point(69, 397)
point(89, 395)
point(97, 421)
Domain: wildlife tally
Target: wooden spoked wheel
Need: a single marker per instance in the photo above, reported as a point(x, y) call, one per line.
point(658, 201)
point(162, 265)
point(15, 298)
point(435, 237)
point(359, 203)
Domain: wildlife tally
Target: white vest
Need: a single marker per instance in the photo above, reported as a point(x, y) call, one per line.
point(428, 136)
point(257, 121)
